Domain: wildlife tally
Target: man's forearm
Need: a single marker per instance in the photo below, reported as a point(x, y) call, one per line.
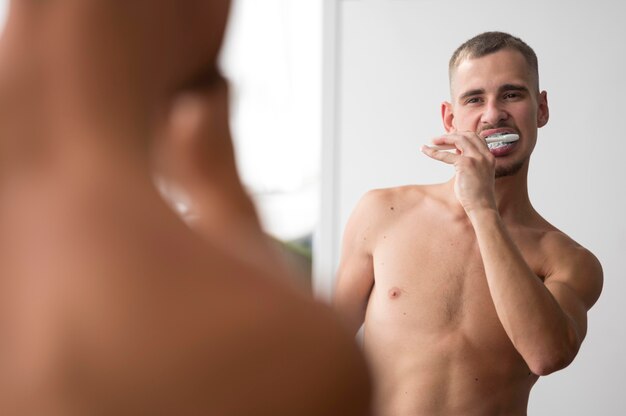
point(539, 329)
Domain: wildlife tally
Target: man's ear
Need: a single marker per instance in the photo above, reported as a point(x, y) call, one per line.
point(447, 116)
point(543, 112)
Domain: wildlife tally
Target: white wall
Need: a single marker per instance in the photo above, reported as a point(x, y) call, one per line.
point(4, 8)
point(387, 78)
point(272, 57)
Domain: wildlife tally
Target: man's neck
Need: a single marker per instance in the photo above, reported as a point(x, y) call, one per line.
point(68, 177)
point(511, 195)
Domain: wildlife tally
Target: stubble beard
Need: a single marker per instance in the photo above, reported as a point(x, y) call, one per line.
point(509, 170)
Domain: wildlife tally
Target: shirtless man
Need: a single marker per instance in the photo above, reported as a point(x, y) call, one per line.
point(109, 303)
point(467, 293)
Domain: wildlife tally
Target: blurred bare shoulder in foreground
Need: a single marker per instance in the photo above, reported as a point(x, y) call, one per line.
point(109, 303)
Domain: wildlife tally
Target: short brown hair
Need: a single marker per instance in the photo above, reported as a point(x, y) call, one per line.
point(490, 42)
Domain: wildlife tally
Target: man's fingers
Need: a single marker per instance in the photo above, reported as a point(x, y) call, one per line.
point(439, 154)
point(443, 147)
point(466, 142)
point(187, 120)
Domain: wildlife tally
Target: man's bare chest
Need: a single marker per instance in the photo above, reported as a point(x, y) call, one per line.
point(430, 277)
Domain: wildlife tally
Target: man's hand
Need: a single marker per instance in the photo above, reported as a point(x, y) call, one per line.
point(194, 163)
point(194, 145)
point(475, 168)
point(194, 158)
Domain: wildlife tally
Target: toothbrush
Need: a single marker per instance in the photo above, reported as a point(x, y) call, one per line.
point(504, 138)
point(500, 138)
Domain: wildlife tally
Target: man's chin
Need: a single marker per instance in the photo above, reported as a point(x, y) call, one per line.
point(510, 169)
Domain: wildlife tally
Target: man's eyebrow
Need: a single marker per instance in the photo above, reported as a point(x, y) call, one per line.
point(471, 93)
point(513, 87)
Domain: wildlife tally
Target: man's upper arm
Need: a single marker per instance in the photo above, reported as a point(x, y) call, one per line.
point(576, 283)
point(355, 277)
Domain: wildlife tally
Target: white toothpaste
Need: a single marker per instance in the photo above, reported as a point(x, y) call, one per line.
point(501, 139)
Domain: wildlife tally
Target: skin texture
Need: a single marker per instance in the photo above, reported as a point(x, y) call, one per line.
point(467, 294)
point(109, 303)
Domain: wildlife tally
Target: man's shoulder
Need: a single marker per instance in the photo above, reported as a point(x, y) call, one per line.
point(561, 245)
point(566, 258)
point(379, 208)
point(264, 335)
point(288, 336)
point(398, 198)
point(315, 347)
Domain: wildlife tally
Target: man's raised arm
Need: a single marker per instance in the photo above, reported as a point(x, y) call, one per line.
point(546, 321)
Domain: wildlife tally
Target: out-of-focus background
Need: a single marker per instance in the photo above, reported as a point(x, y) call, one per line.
point(272, 56)
point(332, 98)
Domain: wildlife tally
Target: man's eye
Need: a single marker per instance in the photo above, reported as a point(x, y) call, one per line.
point(472, 100)
point(511, 95)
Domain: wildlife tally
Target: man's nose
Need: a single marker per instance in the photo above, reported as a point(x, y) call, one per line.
point(493, 113)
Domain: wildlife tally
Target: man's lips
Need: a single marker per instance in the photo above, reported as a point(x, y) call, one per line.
point(503, 150)
point(486, 133)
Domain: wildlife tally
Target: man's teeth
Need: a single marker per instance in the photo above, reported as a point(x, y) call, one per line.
point(500, 139)
point(495, 145)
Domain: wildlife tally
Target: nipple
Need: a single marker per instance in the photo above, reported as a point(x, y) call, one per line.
point(394, 293)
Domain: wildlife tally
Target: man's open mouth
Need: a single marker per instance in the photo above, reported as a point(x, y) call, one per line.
point(497, 140)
